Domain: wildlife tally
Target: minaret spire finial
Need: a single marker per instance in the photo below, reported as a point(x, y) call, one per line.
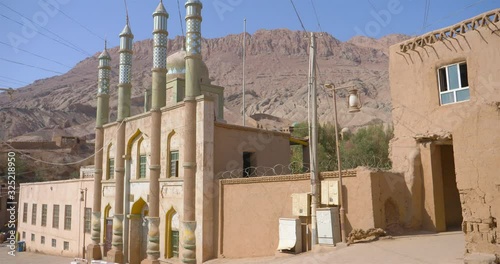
point(105, 44)
point(126, 12)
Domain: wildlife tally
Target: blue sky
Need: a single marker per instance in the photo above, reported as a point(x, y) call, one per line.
point(92, 20)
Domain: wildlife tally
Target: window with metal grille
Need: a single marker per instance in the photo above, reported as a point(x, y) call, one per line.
point(54, 243)
point(66, 245)
point(25, 212)
point(453, 83)
point(67, 217)
point(174, 163)
point(175, 243)
point(44, 215)
point(111, 169)
point(88, 215)
point(55, 216)
point(42, 240)
point(33, 214)
point(142, 166)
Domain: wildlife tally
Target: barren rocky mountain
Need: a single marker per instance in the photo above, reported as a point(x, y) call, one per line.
point(276, 91)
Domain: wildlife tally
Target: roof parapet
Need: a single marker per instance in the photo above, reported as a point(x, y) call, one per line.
point(458, 29)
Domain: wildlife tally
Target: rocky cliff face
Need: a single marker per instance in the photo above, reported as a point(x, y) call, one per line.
point(277, 66)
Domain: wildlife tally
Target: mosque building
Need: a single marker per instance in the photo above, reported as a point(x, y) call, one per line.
point(155, 182)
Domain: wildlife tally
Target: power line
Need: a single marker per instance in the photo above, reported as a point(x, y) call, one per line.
point(53, 163)
point(453, 14)
point(39, 56)
point(55, 34)
point(298, 16)
point(43, 34)
point(316, 15)
point(426, 12)
point(31, 66)
point(16, 80)
point(78, 23)
point(180, 17)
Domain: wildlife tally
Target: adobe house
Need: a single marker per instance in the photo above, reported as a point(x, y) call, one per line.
point(445, 88)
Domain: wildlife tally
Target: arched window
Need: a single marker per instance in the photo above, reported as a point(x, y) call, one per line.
point(173, 155)
point(172, 234)
point(110, 163)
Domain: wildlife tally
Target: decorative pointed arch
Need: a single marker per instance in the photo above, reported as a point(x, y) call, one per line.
point(171, 239)
point(110, 163)
point(107, 212)
point(137, 206)
point(131, 141)
point(168, 172)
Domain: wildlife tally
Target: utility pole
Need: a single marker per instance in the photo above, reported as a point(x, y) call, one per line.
point(244, 62)
point(313, 139)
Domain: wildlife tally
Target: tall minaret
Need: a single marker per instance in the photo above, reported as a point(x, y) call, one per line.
point(124, 92)
point(193, 62)
point(94, 249)
point(159, 71)
point(125, 79)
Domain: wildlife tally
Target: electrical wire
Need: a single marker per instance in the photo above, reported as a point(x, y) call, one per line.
point(53, 33)
point(39, 56)
point(43, 34)
point(452, 14)
point(180, 18)
point(78, 23)
point(55, 163)
point(316, 15)
point(31, 66)
point(298, 16)
point(426, 13)
point(9, 78)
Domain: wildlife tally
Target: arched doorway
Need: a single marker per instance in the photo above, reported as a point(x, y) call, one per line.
point(108, 228)
point(138, 232)
point(172, 235)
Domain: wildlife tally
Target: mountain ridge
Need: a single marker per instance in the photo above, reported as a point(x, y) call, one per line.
point(277, 66)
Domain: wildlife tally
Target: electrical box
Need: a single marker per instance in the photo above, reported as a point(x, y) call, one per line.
point(330, 192)
point(301, 204)
point(290, 235)
point(328, 226)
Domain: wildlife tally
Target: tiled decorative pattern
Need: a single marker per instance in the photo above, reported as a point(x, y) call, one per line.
point(160, 58)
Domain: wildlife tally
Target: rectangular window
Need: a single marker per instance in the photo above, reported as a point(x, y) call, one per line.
point(453, 83)
point(44, 215)
point(88, 215)
point(111, 169)
point(142, 166)
point(174, 163)
point(66, 245)
point(248, 164)
point(67, 217)
point(55, 216)
point(54, 243)
point(42, 240)
point(175, 243)
point(32, 237)
point(25, 212)
point(24, 235)
point(33, 215)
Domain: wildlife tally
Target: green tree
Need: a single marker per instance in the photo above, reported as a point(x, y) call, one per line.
point(369, 147)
